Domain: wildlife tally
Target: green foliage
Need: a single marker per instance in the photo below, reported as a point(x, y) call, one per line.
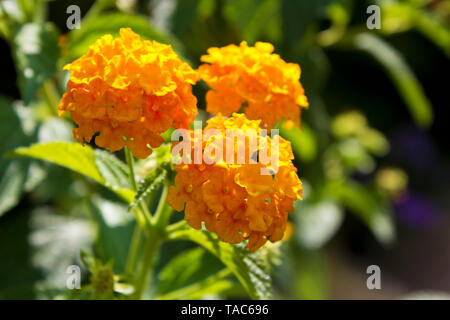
point(13, 132)
point(366, 205)
point(36, 55)
point(110, 23)
point(401, 74)
point(47, 239)
point(188, 276)
point(250, 268)
point(84, 160)
point(115, 228)
point(254, 19)
point(303, 141)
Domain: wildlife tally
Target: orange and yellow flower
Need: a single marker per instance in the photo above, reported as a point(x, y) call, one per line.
point(129, 91)
point(235, 200)
point(255, 79)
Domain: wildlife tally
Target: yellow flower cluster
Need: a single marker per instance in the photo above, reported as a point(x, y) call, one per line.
point(129, 91)
point(254, 78)
point(236, 201)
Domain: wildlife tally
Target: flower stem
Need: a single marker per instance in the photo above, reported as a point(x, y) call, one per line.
point(155, 234)
point(153, 241)
point(151, 247)
point(142, 206)
point(134, 250)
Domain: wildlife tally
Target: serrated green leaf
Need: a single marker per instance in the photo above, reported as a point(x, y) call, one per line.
point(36, 54)
point(250, 268)
point(114, 171)
point(81, 159)
point(401, 75)
point(92, 29)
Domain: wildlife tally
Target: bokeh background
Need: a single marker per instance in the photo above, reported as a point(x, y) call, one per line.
point(372, 151)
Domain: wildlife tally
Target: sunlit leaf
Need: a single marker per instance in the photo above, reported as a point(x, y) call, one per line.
point(81, 159)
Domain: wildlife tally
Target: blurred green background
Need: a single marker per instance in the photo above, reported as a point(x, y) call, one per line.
point(372, 151)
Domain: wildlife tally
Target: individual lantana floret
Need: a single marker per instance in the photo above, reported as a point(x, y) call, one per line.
point(254, 78)
point(236, 201)
point(129, 91)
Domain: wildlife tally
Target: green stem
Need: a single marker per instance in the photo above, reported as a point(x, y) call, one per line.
point(134, 250)
point(154, 239)
point(130, 161)
point(155, 234)
point(151, 247)
point(163, 212)
point(180, 225)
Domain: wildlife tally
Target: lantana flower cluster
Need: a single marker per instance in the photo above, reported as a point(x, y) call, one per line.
point(129, 91)
point(253, 79)
point(126, 92)
point(236, 201)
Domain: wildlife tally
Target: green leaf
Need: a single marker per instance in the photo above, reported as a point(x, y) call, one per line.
point(213, 285)
point(114, 171)
point(367, 206)
point(250, 268)
point(92, 29)
point(255, 19)
point(401, 75)
point(310, 281)
point(11, 185)
point(16, 129)
point(437, 29)
point(187, 268)
point(36, 54)
point(303, 141)
point(81, 159)
point(115, 229)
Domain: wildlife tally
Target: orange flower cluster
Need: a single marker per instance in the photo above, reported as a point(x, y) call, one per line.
point(236, 201)
point(129, 91)
point(256, 79)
